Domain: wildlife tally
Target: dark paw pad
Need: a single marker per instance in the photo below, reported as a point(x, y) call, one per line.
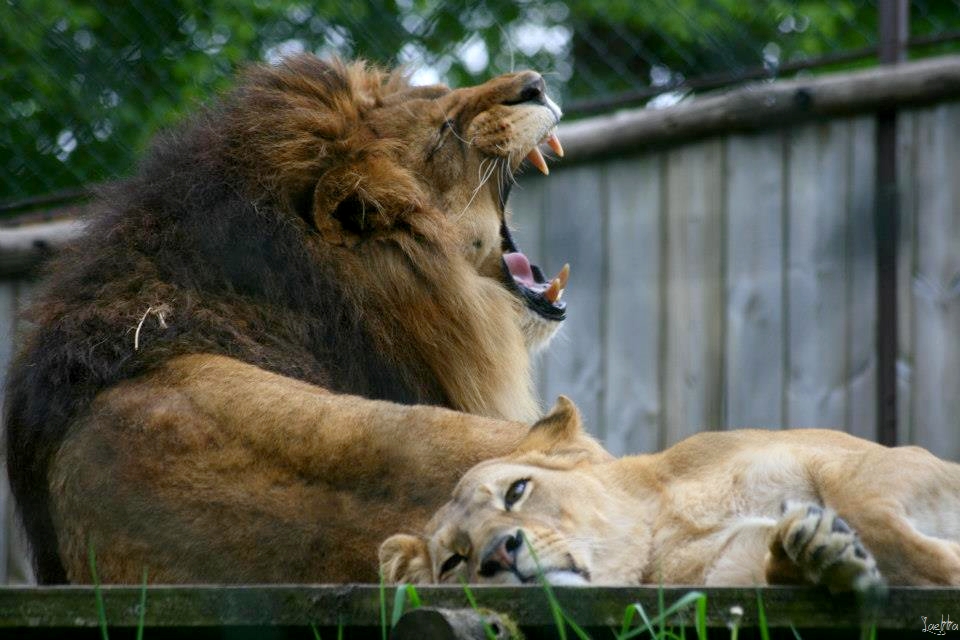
point(840, 526)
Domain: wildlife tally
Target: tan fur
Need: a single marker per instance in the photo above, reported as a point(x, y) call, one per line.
point(744, 507)
point(209, 469)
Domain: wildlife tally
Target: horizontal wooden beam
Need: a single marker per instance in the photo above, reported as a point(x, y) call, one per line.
point(23, 249)
point(766, 105)
point(359, 606)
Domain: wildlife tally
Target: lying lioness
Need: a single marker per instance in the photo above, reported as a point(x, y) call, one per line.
point(733, 508)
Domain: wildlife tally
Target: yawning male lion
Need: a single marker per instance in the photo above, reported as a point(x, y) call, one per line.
point(730, 508)
point(288, 335)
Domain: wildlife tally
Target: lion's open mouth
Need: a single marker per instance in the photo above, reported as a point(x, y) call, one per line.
point(523, 277)
point(527, 280)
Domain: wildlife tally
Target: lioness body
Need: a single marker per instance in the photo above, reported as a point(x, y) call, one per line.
point(287, 335)
point(709, 510)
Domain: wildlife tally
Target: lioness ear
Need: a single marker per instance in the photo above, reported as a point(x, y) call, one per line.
point(560, 433)
point(405, 558)
point(562, 423)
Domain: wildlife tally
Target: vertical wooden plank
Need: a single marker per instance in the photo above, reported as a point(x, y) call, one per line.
point(18, 566)
point(693, 369)
point(816, 291)
point(937, 283)
point(632, 350)
point(573, 232)
point(907, 192)
point(8, 310)
point(526, 206)
point(754, 360)
point(861, 279)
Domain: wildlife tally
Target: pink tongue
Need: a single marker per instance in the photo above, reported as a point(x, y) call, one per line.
point(519, 268)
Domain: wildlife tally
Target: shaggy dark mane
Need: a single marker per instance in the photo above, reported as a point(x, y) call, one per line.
point(210, 235)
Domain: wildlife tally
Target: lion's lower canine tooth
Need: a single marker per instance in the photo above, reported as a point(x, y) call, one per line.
point(536, 159)
point(564, 275)
point(553, 291)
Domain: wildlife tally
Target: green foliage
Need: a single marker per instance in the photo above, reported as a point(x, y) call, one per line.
point(84, 84)
point(98, 593)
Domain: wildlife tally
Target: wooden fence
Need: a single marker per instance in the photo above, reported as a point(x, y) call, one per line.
point(723, 267)
point(731, 281)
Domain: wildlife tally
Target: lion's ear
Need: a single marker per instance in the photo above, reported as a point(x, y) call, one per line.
point(405, 559)
point(368, 197)
point(560, 433)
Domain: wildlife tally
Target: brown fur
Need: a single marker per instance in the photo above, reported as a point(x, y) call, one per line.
point(215, 385)
point(737, 508)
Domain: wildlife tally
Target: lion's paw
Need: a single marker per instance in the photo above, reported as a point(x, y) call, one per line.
point(826, 550)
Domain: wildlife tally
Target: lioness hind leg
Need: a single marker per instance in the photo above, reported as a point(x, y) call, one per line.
point(812, 544)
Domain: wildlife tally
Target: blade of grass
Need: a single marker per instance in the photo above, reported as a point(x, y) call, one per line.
point(316, 633)
point(684, 602)
point(577, 629)
point(399, 599)
point(702, 618)
point(413, 597)
point(383, 608)
point(141, 622)
point(762, 617)
point(555, 610)
point(98, 594)
point(660, 607)
point(487, 629)
point(560, 617)
point(647, 627)
point(628, 615)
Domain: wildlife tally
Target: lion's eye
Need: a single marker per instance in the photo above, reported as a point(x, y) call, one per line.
point(451, 563)
point(515, 492)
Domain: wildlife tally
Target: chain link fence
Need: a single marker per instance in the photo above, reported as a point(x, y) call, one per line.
point(84, 85)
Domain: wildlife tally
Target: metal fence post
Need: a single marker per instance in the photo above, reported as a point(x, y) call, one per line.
point(893, 29)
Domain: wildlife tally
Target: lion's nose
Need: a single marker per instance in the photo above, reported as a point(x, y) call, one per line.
point(532, 89)
point(502, 555)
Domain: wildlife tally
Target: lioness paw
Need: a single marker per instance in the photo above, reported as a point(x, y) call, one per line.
point(405, 559)
point(823, 550)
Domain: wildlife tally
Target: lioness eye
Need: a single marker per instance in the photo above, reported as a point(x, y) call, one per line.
point(451, 563)
point(515, 492)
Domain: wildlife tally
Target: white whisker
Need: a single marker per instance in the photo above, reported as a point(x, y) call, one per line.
point(484, 177)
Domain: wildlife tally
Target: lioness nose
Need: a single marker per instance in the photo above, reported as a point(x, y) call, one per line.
point(502, 556)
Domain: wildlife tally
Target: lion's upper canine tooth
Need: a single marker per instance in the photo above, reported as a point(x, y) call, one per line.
point(554, 143)
point(536, 159)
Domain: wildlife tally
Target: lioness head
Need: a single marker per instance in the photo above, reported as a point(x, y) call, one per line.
point(539, 512)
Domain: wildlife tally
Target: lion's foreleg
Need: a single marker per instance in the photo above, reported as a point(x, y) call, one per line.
point(213, 470)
